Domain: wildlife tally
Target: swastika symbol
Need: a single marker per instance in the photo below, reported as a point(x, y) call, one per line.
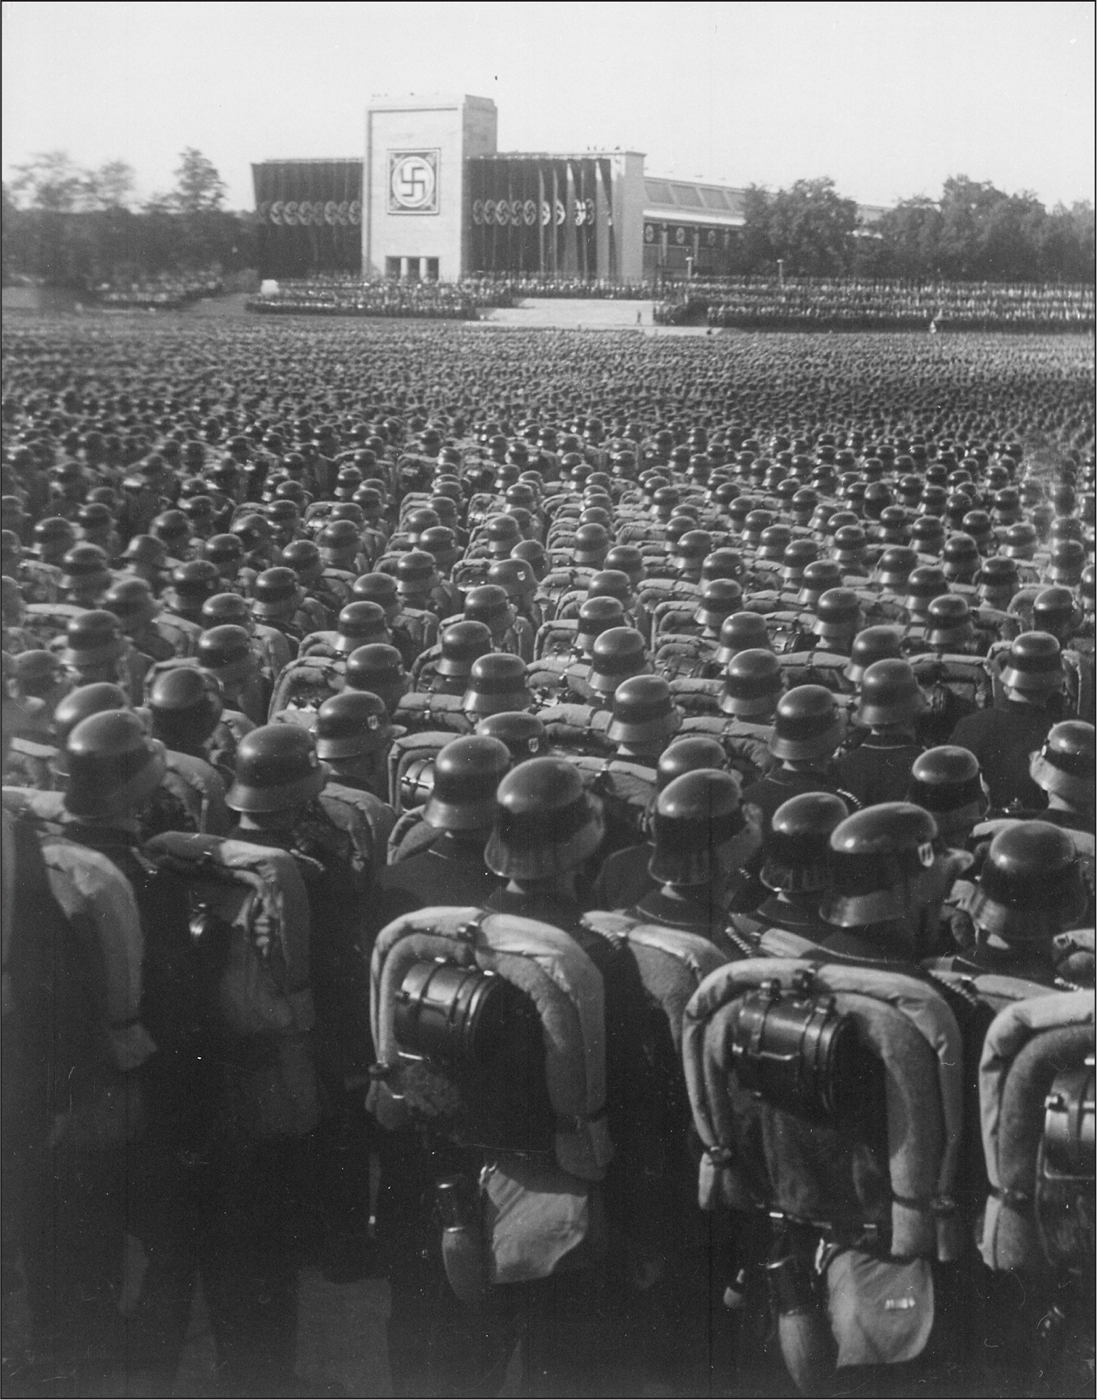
point(413, 183)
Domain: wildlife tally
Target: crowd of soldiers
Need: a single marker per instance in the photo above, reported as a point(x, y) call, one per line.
point(296, 682)
point(816, 303)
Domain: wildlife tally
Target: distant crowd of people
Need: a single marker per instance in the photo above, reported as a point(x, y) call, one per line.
point(850, 304)
point(164, 292)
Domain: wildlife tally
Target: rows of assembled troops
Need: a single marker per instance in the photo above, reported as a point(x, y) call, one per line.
point(725, 690)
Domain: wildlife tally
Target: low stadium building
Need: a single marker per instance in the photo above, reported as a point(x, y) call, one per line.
point(433, 199)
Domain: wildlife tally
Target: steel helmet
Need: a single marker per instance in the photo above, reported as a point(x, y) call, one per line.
point(946, 781)
point(876, 856)
point(616, 653)
point(686, 755)
point(533, 553)
point(1034, 663)
point(225, 651)
point(546, 823)
point(416, 573)
point(895, 566)
point(378, 668)
point(1054, 610)
point(720, 597)
point(742, 631)
point(38, 672)
point(524, 734)
point(461, 643)
point(496, 682)
point(796, 847)
point(871, 644)
point(722, 563)
point(643, 712)
point(818, 578)
point(114, 767)
point(352, 723)
point(85, 568)
point(515, 576)
point(376, 588)
point(303, 557)
point(1064, 766)
point(752, 683)
point(222, 550)
point(610, 583)
point(185, 706)
point(1066, 560)
point(84, 701)
point(597, 615)
point(466, 775)
point(276, 593)
point(797, 555)
point(695, 815)
point(93, 638)
point(132, 602)
point(807, 724)
point(890, 694)
point(629, 559)
point(489, 603)
point(276, 769)
point(191, 584)
point(1030, 886)
point(924, 584)
point(590, 545)
point(228, 608)
point(359, 624)
point(948, 622)
point(837, 614)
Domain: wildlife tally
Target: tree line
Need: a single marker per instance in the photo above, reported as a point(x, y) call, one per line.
point(78, 228)
point(972, 232)
point(68, 226)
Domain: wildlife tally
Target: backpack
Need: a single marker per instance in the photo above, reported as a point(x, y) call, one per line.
point(556, 638)
point(428, 1063)
point(778, 1057)
point(746, 744)
point(249, 913)
point(319, 644)
point(697, 696)
point(490, 1033)
point(561, 579)
point(367, 821)
point(683, 657)
point(627, 793)
point(419, 711)
point(411, 768)
point(74, 952)
point(199, 791)
point(1036, 1107)
point(577, 729)
point(46, 622)
point(955, 686)
point(305, 684)
point(674, 616)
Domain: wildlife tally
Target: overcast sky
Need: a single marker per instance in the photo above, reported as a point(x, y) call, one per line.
point(887, 98)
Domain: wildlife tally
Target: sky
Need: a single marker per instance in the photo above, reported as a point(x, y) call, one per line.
point(888, 99)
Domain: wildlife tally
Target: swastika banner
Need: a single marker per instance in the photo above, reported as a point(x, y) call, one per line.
point(309, 217)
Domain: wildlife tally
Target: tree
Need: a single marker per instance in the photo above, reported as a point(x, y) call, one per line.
point(910, 236)
point(109, 187)
point(199, 188)
point(811, 228)
point(756, 245)
point(50, 181)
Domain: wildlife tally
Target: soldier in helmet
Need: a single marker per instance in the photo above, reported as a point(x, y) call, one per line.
point(878, 768)
point(353, 737)
point(191, 585)
point(279, 601)
point(278, 782)
point(378, 669)
point(96, 650)
point(85, 575)
point(132, 602)
point(460, 813)
point(795, 870)
point(1002, 738)
point(891, 872)
point(807, 732)
point(509, 632)
point(700, 837)
point(1030, 888)
point(1064, 769)
point(624, 878)
point(185, 709)
point(227, 652)
point(946, 781)
point(38, 582)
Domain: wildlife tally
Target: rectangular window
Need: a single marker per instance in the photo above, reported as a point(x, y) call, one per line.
point(392, 267)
